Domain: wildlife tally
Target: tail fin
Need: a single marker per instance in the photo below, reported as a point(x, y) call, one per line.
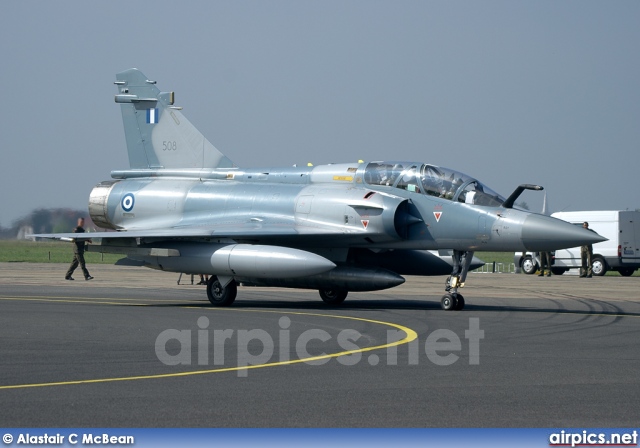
point(157, 134)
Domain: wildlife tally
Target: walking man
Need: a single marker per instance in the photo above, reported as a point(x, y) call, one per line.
point(78, 254)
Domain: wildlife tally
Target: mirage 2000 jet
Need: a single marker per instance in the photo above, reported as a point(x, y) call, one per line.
point(185, 207)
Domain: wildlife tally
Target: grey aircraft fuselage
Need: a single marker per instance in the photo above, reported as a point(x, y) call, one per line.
point(333, 198)
point(184, 207)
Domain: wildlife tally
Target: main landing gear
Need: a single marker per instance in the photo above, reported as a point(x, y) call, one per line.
point(453, 300)
point(333, 296)
point(221, 292)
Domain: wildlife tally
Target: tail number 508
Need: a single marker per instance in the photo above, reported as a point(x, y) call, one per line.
point(169, 145)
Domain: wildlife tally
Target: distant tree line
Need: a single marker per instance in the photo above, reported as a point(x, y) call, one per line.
point(46, 220)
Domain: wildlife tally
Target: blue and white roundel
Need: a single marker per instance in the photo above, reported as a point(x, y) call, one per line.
point(127, 202)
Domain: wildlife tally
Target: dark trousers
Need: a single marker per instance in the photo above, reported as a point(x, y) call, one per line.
point(586, 268)
point(545, 261)
point(78, 259)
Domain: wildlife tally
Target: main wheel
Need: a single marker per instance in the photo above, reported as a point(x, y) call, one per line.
point(333, 296)
point(448, 302)
point(626, 272)
point(529, 266)
point(598, 266)
point(459, 302)
point(219, 296)
point(558, 271)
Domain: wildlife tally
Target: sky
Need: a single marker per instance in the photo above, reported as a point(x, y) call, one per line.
point(509, 92)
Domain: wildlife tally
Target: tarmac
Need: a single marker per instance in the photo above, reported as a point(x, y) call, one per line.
point(132, 348)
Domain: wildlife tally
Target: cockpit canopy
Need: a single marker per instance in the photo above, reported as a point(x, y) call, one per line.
point(431, 180)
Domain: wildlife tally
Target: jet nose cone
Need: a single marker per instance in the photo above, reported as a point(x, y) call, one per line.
point(545, 233)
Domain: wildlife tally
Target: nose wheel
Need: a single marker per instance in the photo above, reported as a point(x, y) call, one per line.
point(451, 301)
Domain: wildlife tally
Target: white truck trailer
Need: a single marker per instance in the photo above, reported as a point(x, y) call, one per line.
point(621, 253)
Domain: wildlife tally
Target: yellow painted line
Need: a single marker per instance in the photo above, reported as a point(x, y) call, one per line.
point(343, 178)
point(89, 301)
point(410, 335)
point(108, 300)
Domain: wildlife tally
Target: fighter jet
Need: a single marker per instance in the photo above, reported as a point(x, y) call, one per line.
point(183, 206)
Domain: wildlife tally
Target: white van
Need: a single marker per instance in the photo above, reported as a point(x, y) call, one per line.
point(621, 253)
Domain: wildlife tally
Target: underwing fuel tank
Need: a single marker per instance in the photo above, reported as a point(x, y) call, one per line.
point(247, 260)
point(267, 261)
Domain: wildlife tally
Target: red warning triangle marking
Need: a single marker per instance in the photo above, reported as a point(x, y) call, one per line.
point(365, 223)
point(437, 215)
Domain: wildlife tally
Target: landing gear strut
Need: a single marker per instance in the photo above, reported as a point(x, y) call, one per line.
point(453, 300)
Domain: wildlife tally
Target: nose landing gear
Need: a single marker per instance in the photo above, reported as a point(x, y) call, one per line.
point(453, 300)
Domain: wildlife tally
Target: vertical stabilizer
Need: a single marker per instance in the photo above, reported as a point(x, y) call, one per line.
point(157, 134)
